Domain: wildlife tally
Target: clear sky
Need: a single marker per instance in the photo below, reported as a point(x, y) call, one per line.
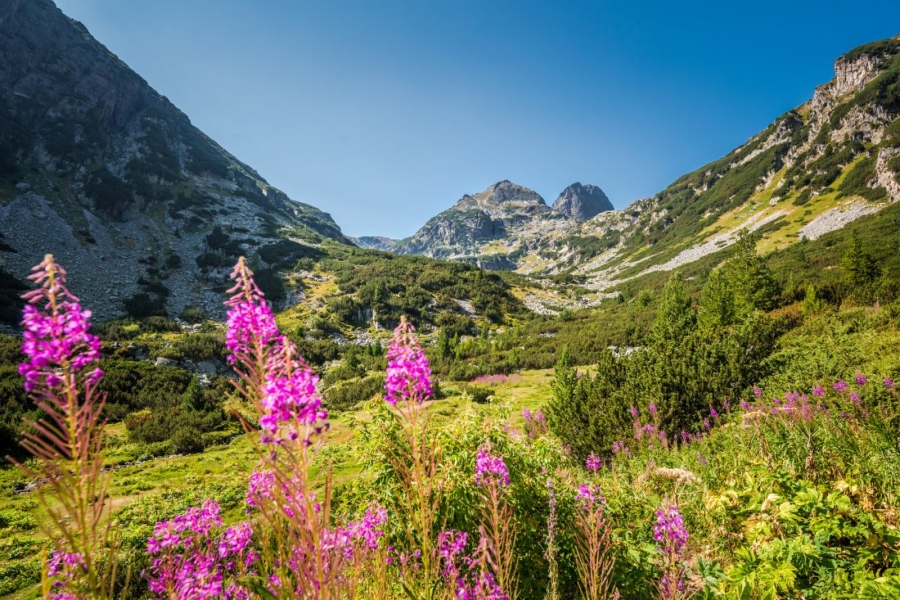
point(385, 112)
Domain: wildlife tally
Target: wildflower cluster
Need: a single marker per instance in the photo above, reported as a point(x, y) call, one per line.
point(669, 531)
point(535, 423)
point(671, 535)
point(65, 569)
point(56, 338)
point(408, 374)
point(275, 377)
point(291, 401)
point(589, 494)
point(194, 558)
point(490, 468)
point(469, 575)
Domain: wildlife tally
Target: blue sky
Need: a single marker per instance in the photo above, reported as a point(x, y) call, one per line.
point(385, 112)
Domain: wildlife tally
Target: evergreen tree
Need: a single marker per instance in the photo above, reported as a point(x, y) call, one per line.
point(444, 348)
point(811, 303)
point(352, 356)
point(749, 276)
point(860, 268)
point(194, 398)
point(717, 303)
point(675, 317)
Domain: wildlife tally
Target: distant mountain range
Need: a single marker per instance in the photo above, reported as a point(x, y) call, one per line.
point(815, 169)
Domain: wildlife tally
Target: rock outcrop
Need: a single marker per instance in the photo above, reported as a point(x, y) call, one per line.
point(582, 202)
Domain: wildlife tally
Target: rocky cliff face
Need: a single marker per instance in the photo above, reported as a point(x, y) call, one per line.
point(99, 169)
point(582, 202)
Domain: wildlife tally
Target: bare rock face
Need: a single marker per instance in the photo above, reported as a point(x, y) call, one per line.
point(582, 202)
point(374, 242)
point(496, 214)
point(102, 171)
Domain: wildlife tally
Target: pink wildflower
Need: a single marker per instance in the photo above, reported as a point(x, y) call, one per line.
point(408, 373)
point(56, 331)
point(489, 468)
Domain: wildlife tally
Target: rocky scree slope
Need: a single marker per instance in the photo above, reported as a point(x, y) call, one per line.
point(105, 173)
point(500, 226)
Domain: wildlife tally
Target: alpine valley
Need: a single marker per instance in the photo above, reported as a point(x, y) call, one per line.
point(692, 397)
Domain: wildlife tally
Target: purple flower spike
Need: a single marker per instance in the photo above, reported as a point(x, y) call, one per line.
point(888, 383)
point(634, 412)
point(669, 530)
point(594, 463)
point(408, 373)
point(840, 386)
point(818, 391)
point(57, 341)
point(861, 379)
point(490, 468)
point(757, 392)
point(652, 408)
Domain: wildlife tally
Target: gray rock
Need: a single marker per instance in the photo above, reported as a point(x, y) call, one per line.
point(582, 202)
point(206, 367)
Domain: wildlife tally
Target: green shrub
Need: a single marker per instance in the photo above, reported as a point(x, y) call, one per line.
point(346, 395)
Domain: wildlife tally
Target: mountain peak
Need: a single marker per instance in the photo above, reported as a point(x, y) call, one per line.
point(506, 191)
point(582, 202)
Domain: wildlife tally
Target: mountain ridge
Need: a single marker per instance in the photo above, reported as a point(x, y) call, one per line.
point(98, 168)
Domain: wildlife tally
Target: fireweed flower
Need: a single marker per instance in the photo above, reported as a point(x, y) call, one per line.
point(291, 400)
point(193, 560)
point(251, 323)
point(56, 341)
point(818, 391)
point(854, 398)
point(861, 379)
point(840, 386)
point(669, 530)
point(490, 468)
point(888, 383)
point(713, 412)
point(408, 374)
point(593, 463)
point(634, 412)
point(526, 414)
point(757, 392)
point(590, 494)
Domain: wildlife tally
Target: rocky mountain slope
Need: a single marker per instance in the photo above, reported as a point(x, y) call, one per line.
point(496, 228)
point(817, 168)
point(105, 173)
